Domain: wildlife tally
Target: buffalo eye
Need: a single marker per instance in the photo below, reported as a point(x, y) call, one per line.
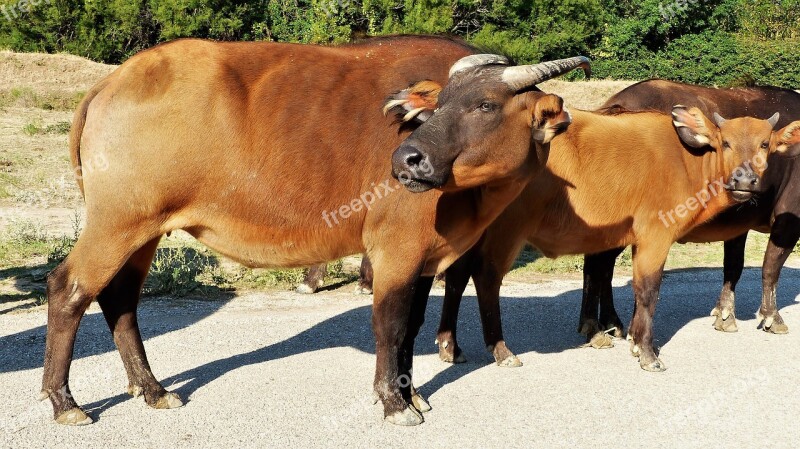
point(764, 145)
point(487, 107)
point(725, 144)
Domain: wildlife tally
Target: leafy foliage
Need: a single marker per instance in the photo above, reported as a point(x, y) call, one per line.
point(704, 41)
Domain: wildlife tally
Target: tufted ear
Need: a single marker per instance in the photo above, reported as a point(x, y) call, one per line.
point(417, 102)
point(788, 143)
point(694, 128)
point(549, 117)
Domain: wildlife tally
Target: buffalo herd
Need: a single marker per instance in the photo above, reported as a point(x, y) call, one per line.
point(278, 155)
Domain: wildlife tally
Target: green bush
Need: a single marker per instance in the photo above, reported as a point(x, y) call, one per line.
point(703, 41)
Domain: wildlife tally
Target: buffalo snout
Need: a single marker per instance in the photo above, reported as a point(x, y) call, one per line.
point(414, 169)
point(743, 183)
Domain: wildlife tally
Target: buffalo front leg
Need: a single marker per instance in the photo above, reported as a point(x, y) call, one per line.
point(648, 268)
point(314, 280)
point(456, 280)
point(725, 310)
point(395, 294)
point(783, 237)
point(406, 359)
point(598, 314)
point(71, 287)
point(119, 301)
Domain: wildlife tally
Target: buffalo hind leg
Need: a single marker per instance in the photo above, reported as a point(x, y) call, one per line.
point(783, 237)
point(725, 310)
point(395, 295)
point(71, 287)
point(315, 278)
point(648, 269)
point(365, 275)
point(598, 314)
point(119, 301)
point(456, 280)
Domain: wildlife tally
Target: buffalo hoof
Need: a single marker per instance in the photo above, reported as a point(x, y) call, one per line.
point(74, 417)
point(408, 417)
point(169, 400)
point(654, 366)
point(773, 324)
point(304, 289)
point(450, 352)
point(601, 340)
point(726, 325)
point(362, 290)
point(503, 356)
point(589, 327)
point(420, 403)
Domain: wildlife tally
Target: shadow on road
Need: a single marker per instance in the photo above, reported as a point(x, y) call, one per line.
point(542, 325)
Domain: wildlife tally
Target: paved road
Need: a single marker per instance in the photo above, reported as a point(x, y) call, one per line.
point(281, 370)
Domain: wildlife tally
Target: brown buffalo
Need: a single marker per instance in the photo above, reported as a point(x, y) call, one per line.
point(598, 191)
point(277, 155)
point(777, 208)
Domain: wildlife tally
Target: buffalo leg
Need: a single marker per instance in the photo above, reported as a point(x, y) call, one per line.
point(395, 294)
point(648, 269)
point(315, 278)
point(457, 277)
point(119, 301)
point(725, 310)
point(598, 296)
point(91, 265)
point(406, 359)
point(365, 276)
point(783, 237)
point(492, 263)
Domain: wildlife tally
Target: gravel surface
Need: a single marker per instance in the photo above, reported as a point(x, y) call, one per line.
point(283, 370)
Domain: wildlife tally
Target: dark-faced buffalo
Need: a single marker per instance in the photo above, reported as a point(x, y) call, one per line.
point(278, 155)
point(776, 210)
point(643, 179)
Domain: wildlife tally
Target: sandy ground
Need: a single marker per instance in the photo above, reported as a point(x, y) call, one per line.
point(282, 370)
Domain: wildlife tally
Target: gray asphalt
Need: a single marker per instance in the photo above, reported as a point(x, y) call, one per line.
point(284, 370)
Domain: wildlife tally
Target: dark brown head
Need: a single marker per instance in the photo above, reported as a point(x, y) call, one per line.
point(743, 144)
point(486, 125)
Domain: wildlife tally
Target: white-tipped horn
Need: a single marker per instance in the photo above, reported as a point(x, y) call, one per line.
point(525, 76)
point(476, 60)
point(391, 104)
point(412, 113)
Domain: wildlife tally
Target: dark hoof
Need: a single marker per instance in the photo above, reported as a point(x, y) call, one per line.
point(725, 325)
point(589, 327)
point(420, 403)
point(450, 352)
point(407, 417)
point(169, 400)
point(74, 417)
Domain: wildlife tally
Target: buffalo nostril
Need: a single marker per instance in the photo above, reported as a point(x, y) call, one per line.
point(413, 158)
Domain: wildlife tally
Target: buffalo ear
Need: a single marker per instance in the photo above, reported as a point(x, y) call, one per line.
point(417, 102)
point(789, 140)
point(549, 117)
point(694, 128)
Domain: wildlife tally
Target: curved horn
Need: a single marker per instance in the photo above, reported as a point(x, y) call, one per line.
point(524, 76)
point(719, 120)
point(476, 60)
point(774, 119)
